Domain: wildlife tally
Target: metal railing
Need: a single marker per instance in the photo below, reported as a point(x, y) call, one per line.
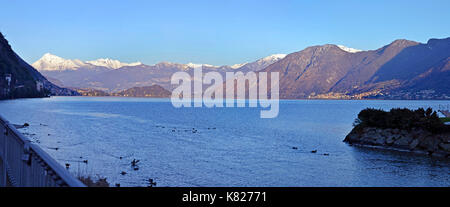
point(25, 164)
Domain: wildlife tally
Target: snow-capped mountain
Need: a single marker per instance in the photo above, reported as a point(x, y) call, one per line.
point(194, 65)
point(53, 62)
point(50, 62)
point(103, 74)
point(109, 63)
point(317, 71)
point(259, 64)
point(270, 59)
point(348, 49)
point(252, 66)
point(236, 66)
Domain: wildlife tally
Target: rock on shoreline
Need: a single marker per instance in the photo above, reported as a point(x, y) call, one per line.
point(416, 140)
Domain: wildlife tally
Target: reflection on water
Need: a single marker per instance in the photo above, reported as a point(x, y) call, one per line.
point(219, 146)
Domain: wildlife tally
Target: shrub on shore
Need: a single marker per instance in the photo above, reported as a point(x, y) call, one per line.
point(445, 119)
point(402, 119)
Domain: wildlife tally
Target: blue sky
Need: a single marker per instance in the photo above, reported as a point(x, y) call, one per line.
point(213, 32)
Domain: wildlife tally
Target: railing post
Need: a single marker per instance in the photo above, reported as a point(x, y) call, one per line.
point(26, 170)
point(24, 163)
point(4, 158)
point(2, 172)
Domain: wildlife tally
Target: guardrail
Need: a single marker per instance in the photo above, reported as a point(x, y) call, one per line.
point(25, 164)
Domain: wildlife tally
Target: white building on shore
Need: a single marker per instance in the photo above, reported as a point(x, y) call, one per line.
point(8, 79)
point(39, 86)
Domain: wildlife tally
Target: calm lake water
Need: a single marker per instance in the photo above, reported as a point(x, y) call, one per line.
point(231, 147)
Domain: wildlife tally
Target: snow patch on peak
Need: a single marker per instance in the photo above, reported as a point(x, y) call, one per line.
point(260, 63)
point(109, 63)
point(348, 49)
point(279, 56)
point(53, 62)
point(236, 66)
point(273, 58)
point(194, 65)
point(49, 56)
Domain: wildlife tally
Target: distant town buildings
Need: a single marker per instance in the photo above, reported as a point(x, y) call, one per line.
point(379, 94)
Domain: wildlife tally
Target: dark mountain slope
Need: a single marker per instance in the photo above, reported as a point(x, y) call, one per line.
point(419, 71)
point(367, 63)
point(310, 71)
point(329, 72)
point(436, 78)
point(19, 80)
point(413, 61)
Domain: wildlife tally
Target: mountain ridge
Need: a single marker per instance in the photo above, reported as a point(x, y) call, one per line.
point(50, 62)
point(114, 80)
point(402, 69)
point(325, 72)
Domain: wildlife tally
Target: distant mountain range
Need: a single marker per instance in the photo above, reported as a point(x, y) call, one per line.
point(112, 78)
point(19, 80)
point(50, 62)
point(402, 69)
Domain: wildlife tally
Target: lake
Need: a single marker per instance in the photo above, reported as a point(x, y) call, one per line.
point(219, 146)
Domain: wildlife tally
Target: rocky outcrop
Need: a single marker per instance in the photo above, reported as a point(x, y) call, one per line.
point(416, 140)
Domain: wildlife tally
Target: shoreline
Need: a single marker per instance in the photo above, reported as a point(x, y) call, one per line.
point(421, 153)
point(300, 99)
point(419, 130)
